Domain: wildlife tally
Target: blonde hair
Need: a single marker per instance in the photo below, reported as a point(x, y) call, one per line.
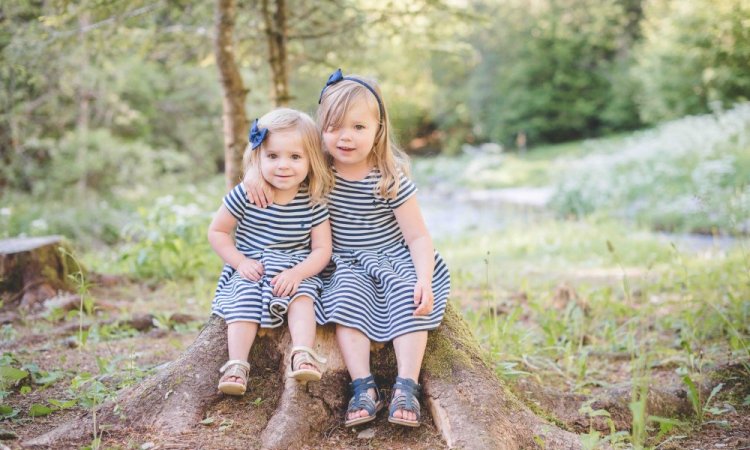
point(390, 160)
point(319, 181)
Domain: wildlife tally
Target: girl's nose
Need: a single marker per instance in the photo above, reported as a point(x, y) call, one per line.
point(344, 136)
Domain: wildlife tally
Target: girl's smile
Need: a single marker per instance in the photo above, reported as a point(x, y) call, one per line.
point(283, 163)
point(351, 142)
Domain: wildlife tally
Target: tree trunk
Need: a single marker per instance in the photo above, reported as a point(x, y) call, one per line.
point(276, 36)
point(33, 270)
point(234, 117)
point(469, 405)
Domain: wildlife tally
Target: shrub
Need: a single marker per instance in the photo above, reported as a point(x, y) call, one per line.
point(687, 175)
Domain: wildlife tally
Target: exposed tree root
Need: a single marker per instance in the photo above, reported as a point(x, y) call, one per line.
point(469, 405)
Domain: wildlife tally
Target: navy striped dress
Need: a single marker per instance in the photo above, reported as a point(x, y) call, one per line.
point(369, 284)
point(278, 237)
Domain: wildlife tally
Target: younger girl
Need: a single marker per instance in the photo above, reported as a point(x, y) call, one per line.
point(271, 268)
point(386, 282)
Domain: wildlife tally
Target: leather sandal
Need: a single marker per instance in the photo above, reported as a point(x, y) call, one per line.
point(362, 400)
point(237, 369)
point(304, 355)
point(406, 400)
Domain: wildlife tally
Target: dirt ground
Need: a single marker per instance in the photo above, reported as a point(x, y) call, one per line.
point(50, 341)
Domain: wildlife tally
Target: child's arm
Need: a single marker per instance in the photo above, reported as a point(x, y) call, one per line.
point(258, 190)
point(418, 239)
point(287, 282)
point(220, 238)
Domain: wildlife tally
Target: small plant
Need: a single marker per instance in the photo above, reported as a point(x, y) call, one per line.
point(694, 395)
point(7, 332)
point(86, 303)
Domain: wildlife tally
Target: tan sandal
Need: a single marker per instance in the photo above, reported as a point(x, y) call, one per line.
point(304, 355)
point(238, 369)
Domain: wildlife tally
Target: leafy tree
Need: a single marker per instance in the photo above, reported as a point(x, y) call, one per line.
point(548, 69)
point(694, 53)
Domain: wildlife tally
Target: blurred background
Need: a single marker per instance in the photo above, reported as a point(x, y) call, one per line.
point(584, 165)
point(634, 107)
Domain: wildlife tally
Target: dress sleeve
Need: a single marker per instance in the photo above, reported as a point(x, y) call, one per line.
point(406, 189)
point(319, 214)
point(236, 202)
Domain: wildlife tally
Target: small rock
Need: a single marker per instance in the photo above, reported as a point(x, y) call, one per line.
point(157, 333)
point(366, 434)
point(7, 434)
point(147, 446)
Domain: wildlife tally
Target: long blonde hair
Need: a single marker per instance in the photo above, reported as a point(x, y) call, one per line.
point(319, 181)
point(390, 160)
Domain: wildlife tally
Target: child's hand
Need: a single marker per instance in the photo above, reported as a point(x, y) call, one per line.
point(258, 191)
point(423, 298)
point(286, 283)
point(251, 269)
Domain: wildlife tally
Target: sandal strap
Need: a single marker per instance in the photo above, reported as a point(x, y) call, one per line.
point(234, 363)
point(407, 399)
point(307, 351)
point(361, 399)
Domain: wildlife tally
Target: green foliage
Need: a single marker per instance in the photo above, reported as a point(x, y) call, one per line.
point(93, 160)
point(549, 70)
point(95, 93)
point(694, 54)
point(686, 175)
point(169, 241)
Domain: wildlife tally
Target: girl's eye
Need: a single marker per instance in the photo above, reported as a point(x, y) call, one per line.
point(272, 156)
point(296, 157)
point(359, 127)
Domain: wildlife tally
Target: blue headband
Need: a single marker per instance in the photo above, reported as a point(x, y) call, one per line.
point(257, 135)
point(338, 76)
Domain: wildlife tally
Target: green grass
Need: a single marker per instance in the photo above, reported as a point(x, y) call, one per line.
point(555, 301)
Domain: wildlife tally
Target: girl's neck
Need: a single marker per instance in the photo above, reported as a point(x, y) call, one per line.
point(282, 197)
point(352, 172)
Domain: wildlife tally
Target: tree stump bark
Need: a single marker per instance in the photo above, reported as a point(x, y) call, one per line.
point(33, 270)
point(470, 406)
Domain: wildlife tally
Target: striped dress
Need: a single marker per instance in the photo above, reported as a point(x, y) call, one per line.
point(278, 237)
point(369, 284)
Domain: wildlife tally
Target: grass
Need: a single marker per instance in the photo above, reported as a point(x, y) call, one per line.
point(559, 300)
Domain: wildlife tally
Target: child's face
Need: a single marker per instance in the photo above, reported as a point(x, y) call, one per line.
point(352, 141)
point(283, 161)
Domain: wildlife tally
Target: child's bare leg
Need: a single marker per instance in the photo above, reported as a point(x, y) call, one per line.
point(355, 348)
point(409, 353)
point(301, 317)
point(240, 337)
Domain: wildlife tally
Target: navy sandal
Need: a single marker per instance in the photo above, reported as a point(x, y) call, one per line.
point(406, 400)
point(362, 400)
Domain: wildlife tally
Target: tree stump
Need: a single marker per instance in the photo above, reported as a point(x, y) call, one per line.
point(33, 270)
point(470, 406)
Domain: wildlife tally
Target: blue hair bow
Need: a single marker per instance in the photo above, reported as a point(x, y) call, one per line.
point(257, 135)
point(333, 79)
